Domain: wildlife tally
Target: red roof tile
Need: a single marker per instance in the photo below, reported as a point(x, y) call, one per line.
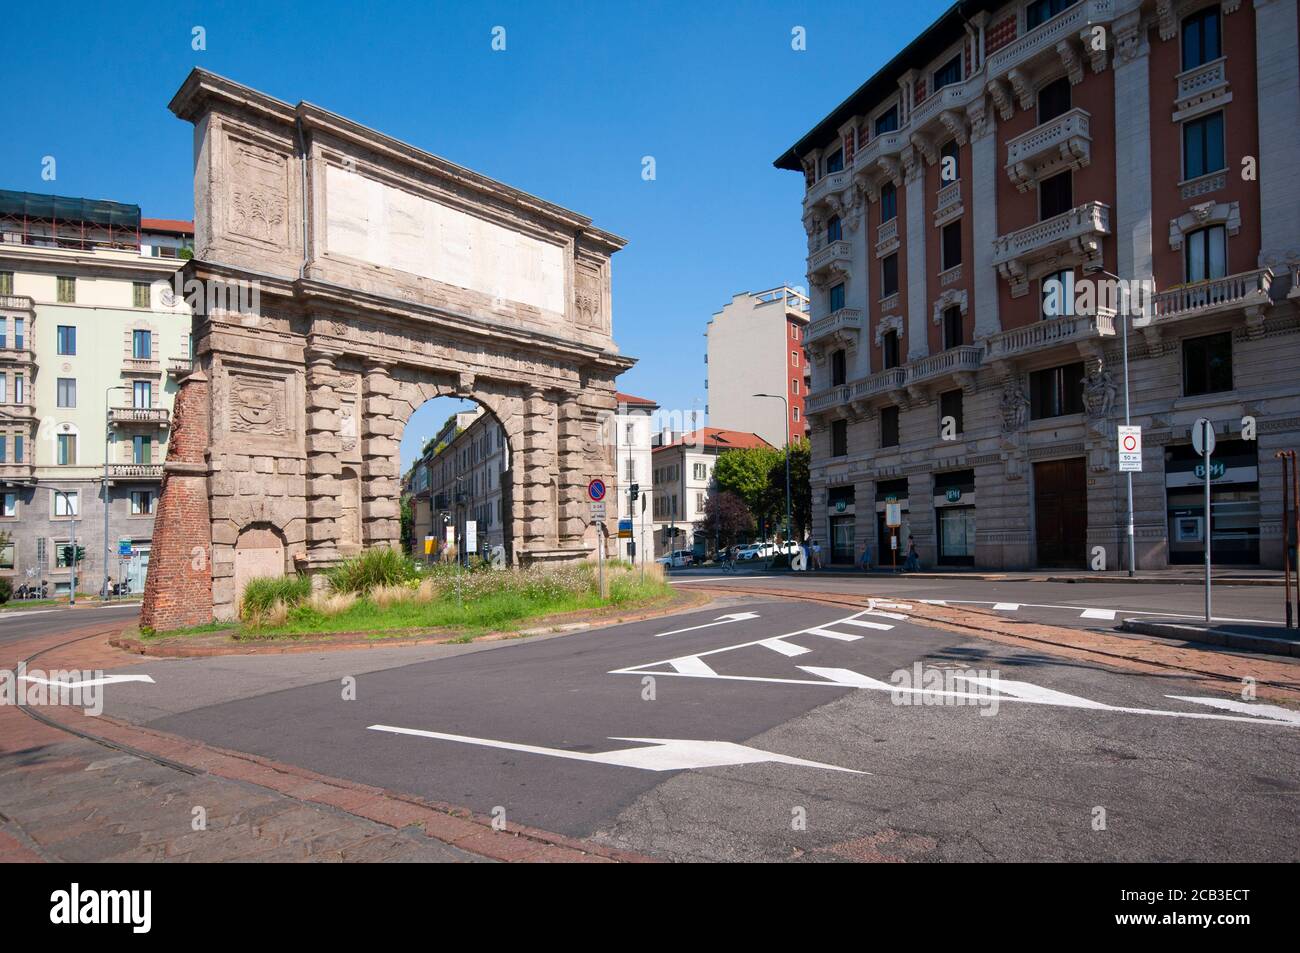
point(711, 438)
point(629, 399)
point(167, 225)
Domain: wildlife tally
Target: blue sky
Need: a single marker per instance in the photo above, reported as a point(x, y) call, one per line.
point(713, 91)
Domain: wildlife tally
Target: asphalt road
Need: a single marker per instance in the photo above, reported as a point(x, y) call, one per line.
point(41, 620)
point(1061, 760)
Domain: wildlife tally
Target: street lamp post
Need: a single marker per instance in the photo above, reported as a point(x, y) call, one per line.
point(108, 439)
point(786, 406)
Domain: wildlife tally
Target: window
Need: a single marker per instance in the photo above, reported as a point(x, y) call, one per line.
point(6, 282)
point(141, 449)
point(141, 502)
point(889, 349)
point(67, 392)
point(834, 230)
point(9, 504)
point(1205, 253)
point(1201, 38)
point(700, 471)
point(889, 427)
point(1039, 12)
point(67, 450)
point(952, 331)
point(142, 394)
point(1056, 294)
point(18, 448)
point(1056, 391)
point(794, 385)
point(1207, 364)
point(837, 297)
point(951, 245)
point(66, 503)
point(4, 388)
point(1203, 146)
point(66, 339)
point(950, 151)
point(19, 326)
point(835, 162)
point(141, 345)
point(795, 412)
point(794, 358)
point(4, 449)
point(1055, 195)
point(889, 275)
point(629, 471)
point(888, 203)
point(948, 73)
point(1053, 100)
point(140, 294)
point(887, 121)
point(67, 293)
point(950, 406)
point(20, 389)
point(7, 556)
point(839, 438)
point(839, 367)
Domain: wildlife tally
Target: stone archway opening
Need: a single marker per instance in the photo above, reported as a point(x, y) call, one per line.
point(341, 280)
point(259, 552)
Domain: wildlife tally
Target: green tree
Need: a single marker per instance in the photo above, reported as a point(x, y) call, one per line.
point(726, 518)
point(408, 524)
point(746, 474)
point(800, 490)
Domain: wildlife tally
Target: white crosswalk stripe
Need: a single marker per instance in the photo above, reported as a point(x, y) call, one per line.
point(784, 648)
point(830, 634)
point(884, 626)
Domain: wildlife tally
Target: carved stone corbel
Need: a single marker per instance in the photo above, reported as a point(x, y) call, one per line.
point(1070, 60)
point(955, 123)
point(1002, 99)
point(1025, 91)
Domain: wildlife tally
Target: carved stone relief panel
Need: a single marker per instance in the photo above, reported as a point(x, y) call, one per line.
point(258, 199)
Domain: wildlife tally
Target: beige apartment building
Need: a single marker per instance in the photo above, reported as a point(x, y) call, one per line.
point(965, 206)
point(459, 480)
point(92, 340)
point(756, 346)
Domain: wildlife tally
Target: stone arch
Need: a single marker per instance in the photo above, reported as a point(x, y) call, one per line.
point(259, 551)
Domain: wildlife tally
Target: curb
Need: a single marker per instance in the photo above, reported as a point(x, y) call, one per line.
point(1021, 577)
point(1233, 640)
point(345, 641)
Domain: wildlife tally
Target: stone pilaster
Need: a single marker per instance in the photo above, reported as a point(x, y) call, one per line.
point(538, 481)
point(380, 511)
point(1277, 80)
point(1133, 147)
point(323, 487)
point(917, 337)
point(986, 175)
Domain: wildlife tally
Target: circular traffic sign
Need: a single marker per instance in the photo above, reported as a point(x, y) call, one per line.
point(1203, 436)
point(1130, 442)
point(596, 490)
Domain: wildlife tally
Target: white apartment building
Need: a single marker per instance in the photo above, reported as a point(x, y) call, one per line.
point(756, 346)
point(683, 479)
point(92, 341)
point(634, 437)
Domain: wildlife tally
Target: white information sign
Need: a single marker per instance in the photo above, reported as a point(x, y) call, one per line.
point(1130, 449)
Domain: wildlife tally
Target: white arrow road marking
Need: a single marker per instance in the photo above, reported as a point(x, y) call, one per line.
point(1275, 712)
point(663, 754)
point(1028, 692)
point(691, 665)
point(105, 680)
point(1108, 614)
point(844, 676)
point(784, 648)
point(720, 620)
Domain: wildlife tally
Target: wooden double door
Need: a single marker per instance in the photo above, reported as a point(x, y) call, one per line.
point(1061, 513)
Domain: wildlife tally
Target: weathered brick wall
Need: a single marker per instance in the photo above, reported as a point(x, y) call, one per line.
point(178, 590)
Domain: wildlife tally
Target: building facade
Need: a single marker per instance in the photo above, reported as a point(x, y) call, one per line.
point(93, 338)
point(756, 346)
point(985, 217)
point(634, 436)
point(459, 480)
point(683, 480)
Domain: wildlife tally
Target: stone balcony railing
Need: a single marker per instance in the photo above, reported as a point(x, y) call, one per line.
point(1202, 83)
point(894, 378)
point(179, 366)
point(158, 416)
point(886, 237)
point(947, 203)
point(957, 360)
point(1058, 144)
point(886, 144)
point(1244, 290)
point(1043, 39)
point(1074, 237)
point(140, 365)
point(832, 183)
point(135, 471)
point(955, 96)
point(835, 257)
point(837, 323)
point(16, 303)
point(1049, 333)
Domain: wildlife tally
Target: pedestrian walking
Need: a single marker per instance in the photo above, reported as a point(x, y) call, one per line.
point(866, 557)
point(913, 563)
point(816, 555)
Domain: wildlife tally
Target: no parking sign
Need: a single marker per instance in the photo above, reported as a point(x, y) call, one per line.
point(1130, 449)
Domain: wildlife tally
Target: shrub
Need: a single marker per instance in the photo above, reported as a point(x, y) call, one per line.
point(262, 593)
point(276, 614)
point(6, 589)
point(375, 567)
point(331, 603)
point(387, 596)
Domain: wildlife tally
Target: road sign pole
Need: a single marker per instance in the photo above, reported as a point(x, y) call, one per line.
point(1205, 430)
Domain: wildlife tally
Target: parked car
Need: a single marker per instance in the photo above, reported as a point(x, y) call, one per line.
point(678, 557)
point(751, 551)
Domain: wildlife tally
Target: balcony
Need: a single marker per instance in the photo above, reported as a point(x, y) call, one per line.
point(842, 327)
point(1082, 332)
point(885, 145)
point(1058, 144)
point(17, 472)
point(832, 183)
point(955, 97)
point(141, 367)
point(1201, 86)
point(887, 237)
point(835, 259)
point(179, 367)
point(947, 204)
point(139, 416)
point(1247, 290)
point(1058, 38)
point(135, 471)
point(954, 362)
point(1071, 238)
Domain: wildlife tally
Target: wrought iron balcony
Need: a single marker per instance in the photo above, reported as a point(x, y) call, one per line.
point(147, 416)
point(1058, 144)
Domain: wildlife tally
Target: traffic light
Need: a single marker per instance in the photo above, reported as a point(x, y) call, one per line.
point(634, 491)
point(68, 555)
